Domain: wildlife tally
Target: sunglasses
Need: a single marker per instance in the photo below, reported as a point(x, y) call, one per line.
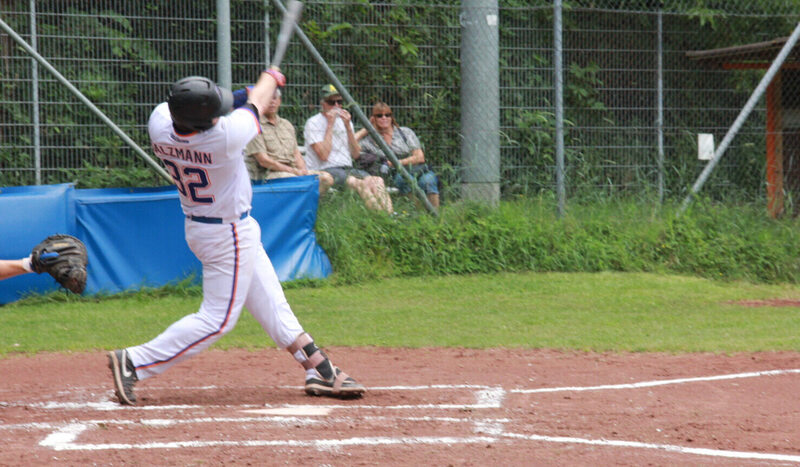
point(383, 115)
point(335, 101)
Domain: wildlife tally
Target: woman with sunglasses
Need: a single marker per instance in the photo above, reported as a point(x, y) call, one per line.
point(331, 146)
point(406, 146)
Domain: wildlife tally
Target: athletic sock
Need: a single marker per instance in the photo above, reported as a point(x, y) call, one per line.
point(26, 264)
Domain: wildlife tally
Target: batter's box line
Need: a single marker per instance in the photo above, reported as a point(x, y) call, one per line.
point(324, 444)
point(665, 382)
point(111, 406)
point(486, 397)
point(64, 440)
point(65, 437)
point(661, 447)
point(57, 426)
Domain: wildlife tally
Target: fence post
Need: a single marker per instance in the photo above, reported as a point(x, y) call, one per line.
point(224, 78)
point(559, 105)
point(480, 101)
point(267, 54)
point(37, 147)
point(660, 109)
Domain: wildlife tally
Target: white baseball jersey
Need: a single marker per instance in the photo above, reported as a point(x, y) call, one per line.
point(209, 170)
point(207, 167)
point(314, 132)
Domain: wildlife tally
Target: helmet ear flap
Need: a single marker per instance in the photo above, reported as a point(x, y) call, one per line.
point(195, 101)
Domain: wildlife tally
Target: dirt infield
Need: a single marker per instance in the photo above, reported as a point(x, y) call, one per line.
point(423, 407)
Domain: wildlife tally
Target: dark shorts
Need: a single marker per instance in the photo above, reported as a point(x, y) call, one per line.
point(340, 174)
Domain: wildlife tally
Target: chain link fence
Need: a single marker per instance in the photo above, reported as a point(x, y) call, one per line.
point(641, 81)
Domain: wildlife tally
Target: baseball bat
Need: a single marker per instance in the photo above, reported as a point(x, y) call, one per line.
point(291, 16)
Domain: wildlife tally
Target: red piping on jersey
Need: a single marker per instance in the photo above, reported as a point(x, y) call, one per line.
point(227, 312)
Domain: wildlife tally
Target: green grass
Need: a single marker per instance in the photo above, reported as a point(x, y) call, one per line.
point(729, 242)
point(571, 311)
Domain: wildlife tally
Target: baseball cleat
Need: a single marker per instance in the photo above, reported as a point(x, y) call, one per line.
point(124, 375)
point(341, 386)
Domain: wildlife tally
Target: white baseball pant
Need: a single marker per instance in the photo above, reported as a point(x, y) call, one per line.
point(236, 272)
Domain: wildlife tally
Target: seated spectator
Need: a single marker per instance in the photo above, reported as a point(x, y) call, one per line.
point(331, 146)
point(406, 146)
point(274, 153)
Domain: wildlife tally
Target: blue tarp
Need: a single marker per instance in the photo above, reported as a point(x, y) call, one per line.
point(135, 236)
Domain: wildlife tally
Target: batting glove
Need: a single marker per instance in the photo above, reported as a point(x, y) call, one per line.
point(279, 78)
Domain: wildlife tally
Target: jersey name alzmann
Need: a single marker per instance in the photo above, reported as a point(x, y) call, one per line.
point(183, 154)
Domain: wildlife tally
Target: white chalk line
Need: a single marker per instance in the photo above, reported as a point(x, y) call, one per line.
point(57, 442)
point(306, 410)
point(487, 397)
point(109, 405)
point(155, 422)
point(662, 447)
point(64, 440)
point(65, 437)
point(491, 397)
point(649, 384)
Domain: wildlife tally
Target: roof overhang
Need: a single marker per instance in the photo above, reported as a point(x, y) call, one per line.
point(757, 52)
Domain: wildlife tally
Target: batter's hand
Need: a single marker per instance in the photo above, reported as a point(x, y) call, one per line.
point(276, 73)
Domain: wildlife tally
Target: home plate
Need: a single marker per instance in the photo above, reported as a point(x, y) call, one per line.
point(297, 410)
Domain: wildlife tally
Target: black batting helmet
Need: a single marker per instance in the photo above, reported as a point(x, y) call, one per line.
point(195, 101)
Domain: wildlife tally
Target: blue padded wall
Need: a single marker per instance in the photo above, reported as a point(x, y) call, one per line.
point(135, 236)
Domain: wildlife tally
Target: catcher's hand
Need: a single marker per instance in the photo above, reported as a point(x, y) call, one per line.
point(64, 257)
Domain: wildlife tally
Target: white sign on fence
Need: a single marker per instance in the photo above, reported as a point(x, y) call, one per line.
point(705, 146)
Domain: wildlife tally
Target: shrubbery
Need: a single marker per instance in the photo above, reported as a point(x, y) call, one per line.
point(709, 240)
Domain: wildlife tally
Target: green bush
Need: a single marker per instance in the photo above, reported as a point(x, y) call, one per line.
point(709, 240)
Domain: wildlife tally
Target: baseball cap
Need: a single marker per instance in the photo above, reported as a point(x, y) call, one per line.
point(329, 90)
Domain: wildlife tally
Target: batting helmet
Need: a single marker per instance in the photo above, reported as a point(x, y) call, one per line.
point(195, 101)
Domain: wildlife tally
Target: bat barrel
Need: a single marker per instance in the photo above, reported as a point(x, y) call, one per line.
point(290, 17)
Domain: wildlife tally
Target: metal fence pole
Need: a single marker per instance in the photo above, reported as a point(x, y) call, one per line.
point(266, 35)
point(559, 105)
point(37, 147)
point(480, 101)
point(224, 77)
point(660, 107)
point(737, 124)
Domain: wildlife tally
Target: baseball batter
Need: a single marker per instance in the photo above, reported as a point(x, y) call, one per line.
point(201, 143)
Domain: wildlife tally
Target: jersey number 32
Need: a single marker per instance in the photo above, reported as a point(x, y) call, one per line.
point(190, 181)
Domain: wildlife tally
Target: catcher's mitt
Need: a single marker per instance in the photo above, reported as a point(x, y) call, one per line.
point(64, 257)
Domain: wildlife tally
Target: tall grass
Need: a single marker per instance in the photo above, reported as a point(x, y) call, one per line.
point(710, 240)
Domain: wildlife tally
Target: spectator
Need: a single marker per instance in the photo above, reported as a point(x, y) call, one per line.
point(406, 146)
point(274, 153)
point(331, 146)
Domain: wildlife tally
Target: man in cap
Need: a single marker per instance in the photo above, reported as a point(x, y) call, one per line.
point(331, 146)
